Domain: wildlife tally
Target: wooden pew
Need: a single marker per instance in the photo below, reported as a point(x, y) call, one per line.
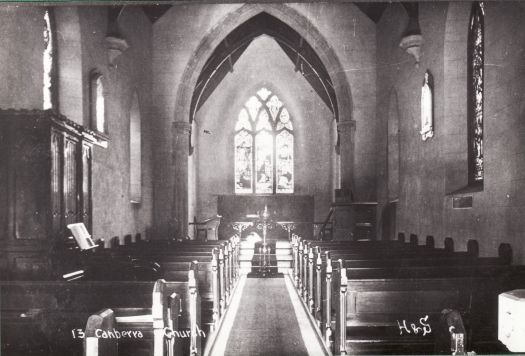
point(174, 258)
point(220, 279)
point(408, 256)
point(475, 268)
point(137, 331)
point(372, 248)
point(43, 317)
point(391, 266)
point(376, 315)
point(304, 259)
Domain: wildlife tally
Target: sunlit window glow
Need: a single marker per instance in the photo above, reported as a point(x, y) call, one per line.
point(135, 152)
point(100, 105)
point(48, 62)
point(264, 146)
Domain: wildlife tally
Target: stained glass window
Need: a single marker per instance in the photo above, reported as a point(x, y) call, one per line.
point(48, 60)
point(264, 146)
point(475, 92)
point(264, 162)
point(243, 162)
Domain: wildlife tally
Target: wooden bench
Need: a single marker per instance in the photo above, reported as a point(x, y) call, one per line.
point(42, 317)
point(308, 258)
point(137, 331)
point(370, 313)
point(218, 270)
point(315, 278)
point(376, 315)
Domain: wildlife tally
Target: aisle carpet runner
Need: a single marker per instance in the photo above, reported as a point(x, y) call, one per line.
point(265, 323)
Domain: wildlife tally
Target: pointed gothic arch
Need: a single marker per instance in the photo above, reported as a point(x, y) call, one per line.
point(283, 14)
point(190, 77)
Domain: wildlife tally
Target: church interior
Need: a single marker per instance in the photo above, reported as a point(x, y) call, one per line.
point(262, 178)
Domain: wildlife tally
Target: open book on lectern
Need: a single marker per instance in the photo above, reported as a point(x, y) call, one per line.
point(82, 236)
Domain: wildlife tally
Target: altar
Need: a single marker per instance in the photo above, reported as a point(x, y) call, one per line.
point(290, 212)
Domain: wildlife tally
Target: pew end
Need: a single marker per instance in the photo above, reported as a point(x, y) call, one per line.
point(430, 241)
point(103, 320)
point(175, 310)
point(449, 244)
point(473, 248)
point(450, 334)
point(505, 252)
point(128, 239)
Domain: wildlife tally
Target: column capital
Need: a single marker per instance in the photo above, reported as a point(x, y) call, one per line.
point(181, 127)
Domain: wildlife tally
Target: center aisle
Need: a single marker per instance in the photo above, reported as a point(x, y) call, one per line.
point(266, 322)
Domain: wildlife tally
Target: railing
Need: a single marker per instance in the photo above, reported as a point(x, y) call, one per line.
point(326, 229)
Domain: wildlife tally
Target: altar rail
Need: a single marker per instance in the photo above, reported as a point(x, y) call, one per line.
point(288, 228)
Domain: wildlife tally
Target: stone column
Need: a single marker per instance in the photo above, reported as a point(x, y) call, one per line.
point(181, 136)
point(346, 130)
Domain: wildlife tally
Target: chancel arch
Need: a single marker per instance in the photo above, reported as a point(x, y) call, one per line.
point(332, 81)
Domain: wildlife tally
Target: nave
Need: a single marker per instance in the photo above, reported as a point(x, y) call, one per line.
point(233, 297)
point(386, 140)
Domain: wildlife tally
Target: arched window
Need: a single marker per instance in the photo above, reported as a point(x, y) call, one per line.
point(49, 61)
point(264, 147)
point(135, 152)
point(475, 93)
point(97, 103)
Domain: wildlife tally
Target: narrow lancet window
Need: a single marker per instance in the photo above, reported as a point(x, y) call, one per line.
point(98, 106)
point(135, 152)
point(475, 93)
point(48, 61)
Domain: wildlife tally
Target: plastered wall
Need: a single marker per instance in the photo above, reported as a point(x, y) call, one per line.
point(431, 172)
point(80, 33)
point(264, 64)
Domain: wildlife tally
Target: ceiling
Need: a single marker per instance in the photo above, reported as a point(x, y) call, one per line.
point(374, 10)
point(155, 12)
point(302, 55)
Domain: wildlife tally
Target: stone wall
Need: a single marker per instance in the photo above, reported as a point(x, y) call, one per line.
point(432, 171)
point(187, 34)
point(80, 49)
point(263, 64)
